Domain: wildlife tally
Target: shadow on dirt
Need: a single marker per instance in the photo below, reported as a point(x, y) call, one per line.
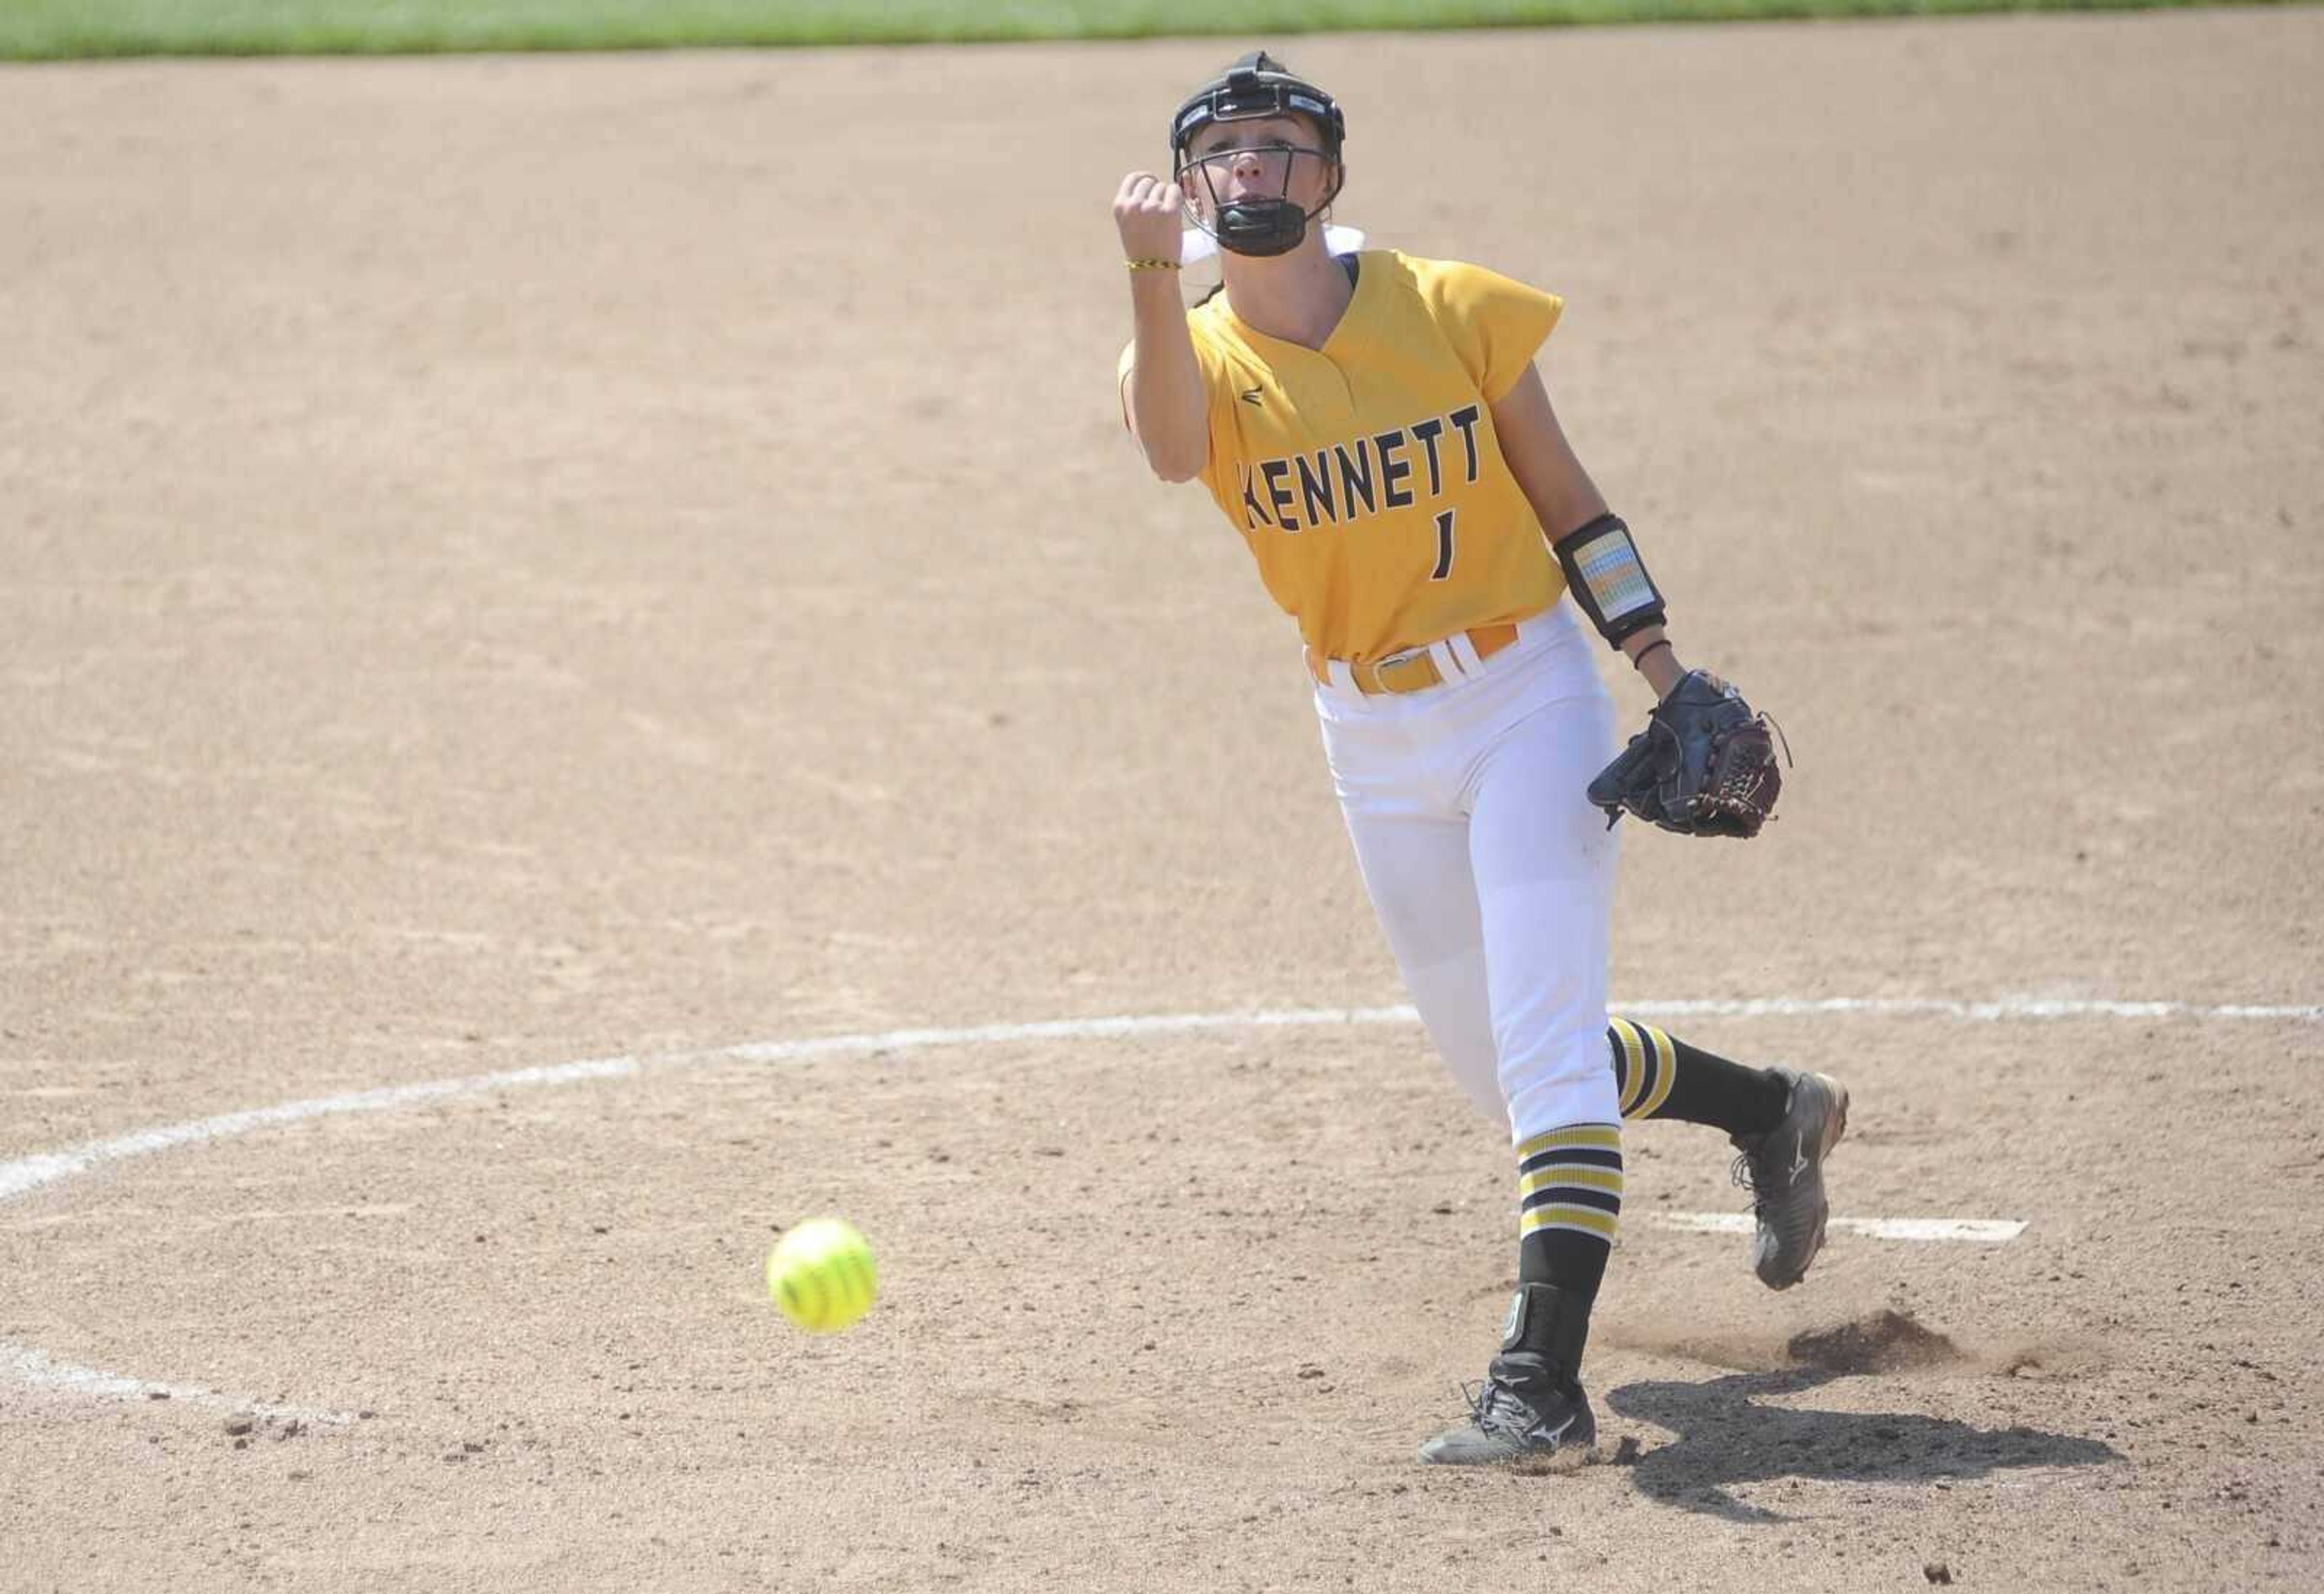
point(1725, 1439)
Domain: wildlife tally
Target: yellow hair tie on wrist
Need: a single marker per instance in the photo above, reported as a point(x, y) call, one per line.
point(1155, 265)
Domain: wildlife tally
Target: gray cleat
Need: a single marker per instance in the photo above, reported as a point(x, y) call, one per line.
point(1784, 1170)
point(1531, 1406)
point(1507, 1424)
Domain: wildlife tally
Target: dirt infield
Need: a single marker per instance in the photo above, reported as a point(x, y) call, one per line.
point(511, 561)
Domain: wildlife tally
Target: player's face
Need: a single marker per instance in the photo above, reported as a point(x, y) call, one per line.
point(1266, 158)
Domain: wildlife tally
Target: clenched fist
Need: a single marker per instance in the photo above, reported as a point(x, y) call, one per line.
point(1147, 210)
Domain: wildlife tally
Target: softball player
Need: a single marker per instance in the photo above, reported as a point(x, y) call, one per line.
point(1374, 427)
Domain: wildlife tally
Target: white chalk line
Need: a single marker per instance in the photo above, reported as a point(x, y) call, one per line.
point(26, 1365)
point(41, 1370)
point(1981, 1231)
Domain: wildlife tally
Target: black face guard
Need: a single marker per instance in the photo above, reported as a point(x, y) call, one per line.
point(1253, 88)
point(1258, 225)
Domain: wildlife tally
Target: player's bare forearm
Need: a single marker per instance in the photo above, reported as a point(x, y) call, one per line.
point(1168, 413)
point(1164, 400)
point(1564, 498)
point(1561, 491)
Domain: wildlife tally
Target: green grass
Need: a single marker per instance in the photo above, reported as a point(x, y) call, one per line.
point(47, 30)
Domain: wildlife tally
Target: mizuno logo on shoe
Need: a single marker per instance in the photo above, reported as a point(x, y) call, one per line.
point(1799, 1155)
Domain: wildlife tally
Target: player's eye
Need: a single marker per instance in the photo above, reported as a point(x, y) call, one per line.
point(1264, 151)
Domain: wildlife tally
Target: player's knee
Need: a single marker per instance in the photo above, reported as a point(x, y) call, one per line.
point(1560, 1079)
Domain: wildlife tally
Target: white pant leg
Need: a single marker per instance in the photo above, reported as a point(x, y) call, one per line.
point(1415, 870)
point(1492, 874)
point(1542, 863)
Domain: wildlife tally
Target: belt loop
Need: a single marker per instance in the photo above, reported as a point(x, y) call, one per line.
point(1464, 653)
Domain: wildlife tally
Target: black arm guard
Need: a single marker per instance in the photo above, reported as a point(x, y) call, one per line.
point(1608, 580)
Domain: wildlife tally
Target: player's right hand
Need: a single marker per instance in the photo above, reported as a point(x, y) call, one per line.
point(1148, 211)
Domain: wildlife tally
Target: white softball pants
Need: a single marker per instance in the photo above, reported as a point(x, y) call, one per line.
point(1491, 874)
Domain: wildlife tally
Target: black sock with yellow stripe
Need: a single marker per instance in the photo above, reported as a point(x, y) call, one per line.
point(1657, 1076)
point(1569, 1206)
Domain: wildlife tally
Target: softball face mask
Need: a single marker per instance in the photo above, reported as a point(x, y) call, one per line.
point(1255, 88)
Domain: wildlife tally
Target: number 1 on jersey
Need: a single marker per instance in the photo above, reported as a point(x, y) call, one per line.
point(1444, 547)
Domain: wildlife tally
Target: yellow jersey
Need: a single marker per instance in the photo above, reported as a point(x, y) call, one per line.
point(1365, 475)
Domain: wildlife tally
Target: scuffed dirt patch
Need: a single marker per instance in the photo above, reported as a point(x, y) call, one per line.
point(1885, 1341)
